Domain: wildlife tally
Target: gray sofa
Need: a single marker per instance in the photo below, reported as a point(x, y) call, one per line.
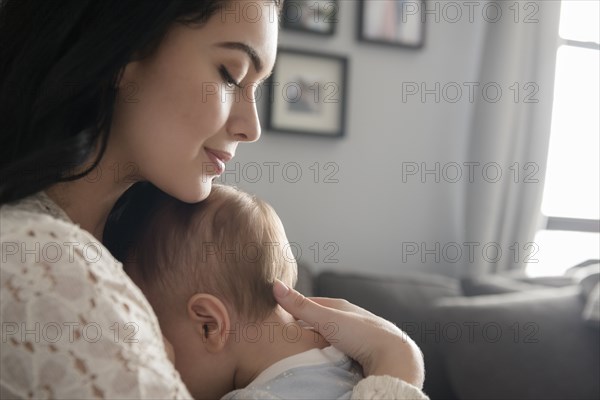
point(490, 337)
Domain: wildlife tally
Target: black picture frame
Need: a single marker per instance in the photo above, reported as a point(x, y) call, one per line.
point(307, 94)
point(317, 17)
point(406, 29)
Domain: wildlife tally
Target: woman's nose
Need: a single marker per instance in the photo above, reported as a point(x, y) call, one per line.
point(244, 123)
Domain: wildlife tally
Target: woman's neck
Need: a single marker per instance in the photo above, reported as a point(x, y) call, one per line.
point(88, 200)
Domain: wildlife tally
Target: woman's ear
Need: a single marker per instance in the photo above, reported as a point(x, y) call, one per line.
point(127, 79)
point(211, 320)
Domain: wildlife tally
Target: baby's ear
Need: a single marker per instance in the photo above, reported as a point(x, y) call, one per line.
point(211, 321)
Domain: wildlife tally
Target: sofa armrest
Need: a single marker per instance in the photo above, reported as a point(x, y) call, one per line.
point(495, 284)
point(407, 300)
point(528, 345)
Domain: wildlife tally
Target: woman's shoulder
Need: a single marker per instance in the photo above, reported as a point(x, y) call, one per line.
point(34, 231)
point(45, 254)
point(35, 213)
point(41, 243)
point(73, 314)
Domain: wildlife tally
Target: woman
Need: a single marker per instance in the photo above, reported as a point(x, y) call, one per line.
point(98, 95)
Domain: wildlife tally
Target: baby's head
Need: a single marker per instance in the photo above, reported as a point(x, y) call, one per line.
point(205, 268)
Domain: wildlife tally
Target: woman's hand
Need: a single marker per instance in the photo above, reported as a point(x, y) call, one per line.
point(378, 345)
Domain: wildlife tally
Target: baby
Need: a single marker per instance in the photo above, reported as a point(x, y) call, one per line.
point(208, 269)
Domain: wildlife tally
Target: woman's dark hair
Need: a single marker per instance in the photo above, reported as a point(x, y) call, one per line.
point(60, 62)
point(130, 217)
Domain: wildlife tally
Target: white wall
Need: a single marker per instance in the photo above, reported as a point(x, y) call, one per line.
point(371, 212)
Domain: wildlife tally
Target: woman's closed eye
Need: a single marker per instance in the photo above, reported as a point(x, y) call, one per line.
point(227, 77)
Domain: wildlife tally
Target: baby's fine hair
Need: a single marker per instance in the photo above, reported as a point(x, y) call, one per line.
point(231, 245)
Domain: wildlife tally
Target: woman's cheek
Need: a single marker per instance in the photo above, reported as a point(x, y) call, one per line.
point(217, 108)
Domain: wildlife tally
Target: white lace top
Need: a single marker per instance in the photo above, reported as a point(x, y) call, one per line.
point(74, 326)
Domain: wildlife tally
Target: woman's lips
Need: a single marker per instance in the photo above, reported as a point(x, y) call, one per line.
point(218, 158)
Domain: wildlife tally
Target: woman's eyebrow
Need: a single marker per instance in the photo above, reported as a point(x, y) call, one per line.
point(258, 65)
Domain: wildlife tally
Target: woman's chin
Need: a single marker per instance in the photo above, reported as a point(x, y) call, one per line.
point(192, 193)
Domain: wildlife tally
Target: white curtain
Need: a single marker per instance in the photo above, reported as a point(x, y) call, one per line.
point(510, 134)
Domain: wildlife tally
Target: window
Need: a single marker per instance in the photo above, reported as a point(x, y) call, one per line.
point(571, 200)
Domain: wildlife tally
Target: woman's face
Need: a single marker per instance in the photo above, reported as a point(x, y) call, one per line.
point(181, 113)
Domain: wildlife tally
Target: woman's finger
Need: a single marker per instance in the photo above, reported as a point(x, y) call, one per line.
point(331, 302)
point(378, 345)
point(340, 304)
point(337, 326)
point(298, 305)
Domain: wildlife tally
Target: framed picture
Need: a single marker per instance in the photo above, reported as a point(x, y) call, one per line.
point(307, 93)
point(392, 22)
point(313, 16)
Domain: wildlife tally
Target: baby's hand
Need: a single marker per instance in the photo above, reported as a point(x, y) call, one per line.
point(169, 349)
